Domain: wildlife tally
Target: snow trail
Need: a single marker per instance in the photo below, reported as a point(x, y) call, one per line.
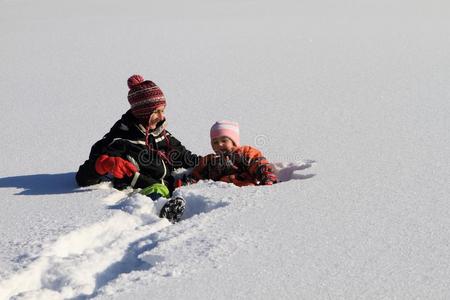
point(79, 264)
point(71, 266)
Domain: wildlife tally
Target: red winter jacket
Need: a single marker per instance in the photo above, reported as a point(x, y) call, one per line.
point(244, 166)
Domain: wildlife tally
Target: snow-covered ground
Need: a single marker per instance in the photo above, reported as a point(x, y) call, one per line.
point(359, 87)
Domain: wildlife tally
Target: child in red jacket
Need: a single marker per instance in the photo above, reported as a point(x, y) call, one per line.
point(231, 162)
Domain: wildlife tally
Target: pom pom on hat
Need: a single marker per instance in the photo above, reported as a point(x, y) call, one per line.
point(135, 80)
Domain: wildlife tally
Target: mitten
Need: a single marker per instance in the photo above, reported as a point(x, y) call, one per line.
point(156, 191)
point(266, 176)
point(220, 166)
point(117, 166)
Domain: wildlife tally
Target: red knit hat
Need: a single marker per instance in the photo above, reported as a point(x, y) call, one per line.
point(144, 97)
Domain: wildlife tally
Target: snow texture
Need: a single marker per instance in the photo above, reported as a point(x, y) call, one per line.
point(348, 99)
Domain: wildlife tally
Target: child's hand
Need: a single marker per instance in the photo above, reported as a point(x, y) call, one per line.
point(219, 166)
point(117, 166)
point(267, 177)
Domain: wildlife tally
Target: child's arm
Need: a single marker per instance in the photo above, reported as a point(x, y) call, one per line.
point(258, 166)
point(180, 156)
point(200, 171)
point(215, 167)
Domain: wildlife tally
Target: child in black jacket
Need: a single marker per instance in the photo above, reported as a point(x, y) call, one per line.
point(139, 152)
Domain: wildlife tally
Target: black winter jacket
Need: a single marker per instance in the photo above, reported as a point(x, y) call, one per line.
point(126, 139)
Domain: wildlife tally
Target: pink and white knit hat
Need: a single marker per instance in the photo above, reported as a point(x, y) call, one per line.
point(226, 128)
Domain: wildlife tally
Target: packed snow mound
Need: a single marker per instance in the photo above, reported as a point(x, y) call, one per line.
point(82, 262)
point(76, 263)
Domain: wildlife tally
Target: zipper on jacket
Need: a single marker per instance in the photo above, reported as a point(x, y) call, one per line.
point(165, 171)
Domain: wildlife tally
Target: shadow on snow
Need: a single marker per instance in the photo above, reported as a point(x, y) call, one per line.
point(42, 184)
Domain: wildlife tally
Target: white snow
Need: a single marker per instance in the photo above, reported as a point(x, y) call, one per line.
point(350, 99)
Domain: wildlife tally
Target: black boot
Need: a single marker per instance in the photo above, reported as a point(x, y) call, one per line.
point(174, 208)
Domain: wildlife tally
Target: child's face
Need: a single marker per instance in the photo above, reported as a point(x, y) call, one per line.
point(222, 144)
point(157, 116)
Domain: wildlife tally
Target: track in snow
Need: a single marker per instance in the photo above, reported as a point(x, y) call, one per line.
point(83, 261)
